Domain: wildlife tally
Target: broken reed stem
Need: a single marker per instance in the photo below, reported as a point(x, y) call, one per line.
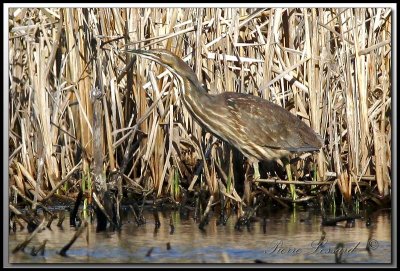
point(118, 201)
point(272, 196)
point(39, 249)
point(63, 251)
point(171, 225)
point(278, 181)
point(61, 218)
point(100, 185)
point(22, 245)
point(16, 220)
point(68, 177)
point(50, 221)
point(156, 216)
point(204, 219)
point(102, 209)
point(51, 193)
point(19, 214)
point(41, 161)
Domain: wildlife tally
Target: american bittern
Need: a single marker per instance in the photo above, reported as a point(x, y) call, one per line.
point(260, 129)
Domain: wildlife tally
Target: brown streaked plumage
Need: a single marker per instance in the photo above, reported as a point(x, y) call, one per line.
point(261, 130)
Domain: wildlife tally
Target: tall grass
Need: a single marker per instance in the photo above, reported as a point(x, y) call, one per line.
point(329, 66)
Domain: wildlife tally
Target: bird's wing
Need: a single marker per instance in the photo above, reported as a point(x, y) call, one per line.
point(269, 125)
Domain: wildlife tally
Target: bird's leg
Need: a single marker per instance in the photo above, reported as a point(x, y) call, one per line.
point(256, 175)
point(289, 174)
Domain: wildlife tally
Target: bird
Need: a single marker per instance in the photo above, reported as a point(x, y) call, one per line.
point(258, 128)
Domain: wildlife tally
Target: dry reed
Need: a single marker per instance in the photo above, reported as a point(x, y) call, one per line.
point(329, 66)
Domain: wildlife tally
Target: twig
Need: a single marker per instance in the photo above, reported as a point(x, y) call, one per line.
point(62, 182)
point(63, 251)
point(273, 197)
point(371, 48)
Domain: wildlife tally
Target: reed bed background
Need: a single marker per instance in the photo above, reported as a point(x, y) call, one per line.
point(329, 66)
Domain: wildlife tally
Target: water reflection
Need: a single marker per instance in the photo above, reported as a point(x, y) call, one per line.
point(295, 237)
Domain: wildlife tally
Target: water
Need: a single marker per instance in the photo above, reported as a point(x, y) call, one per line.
point(290, 237)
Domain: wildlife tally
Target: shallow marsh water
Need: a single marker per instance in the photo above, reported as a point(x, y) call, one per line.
point(289, 237)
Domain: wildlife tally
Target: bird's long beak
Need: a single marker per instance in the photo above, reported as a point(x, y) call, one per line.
point(146, 54)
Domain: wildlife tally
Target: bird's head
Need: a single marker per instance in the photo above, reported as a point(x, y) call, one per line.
point(169, 60)
point(161, 56)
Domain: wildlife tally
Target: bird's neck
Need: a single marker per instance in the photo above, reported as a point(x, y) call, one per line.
point(192, 82)
point(195, 99)
point(194, 91)
point(192, 86)
point(194, 95)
